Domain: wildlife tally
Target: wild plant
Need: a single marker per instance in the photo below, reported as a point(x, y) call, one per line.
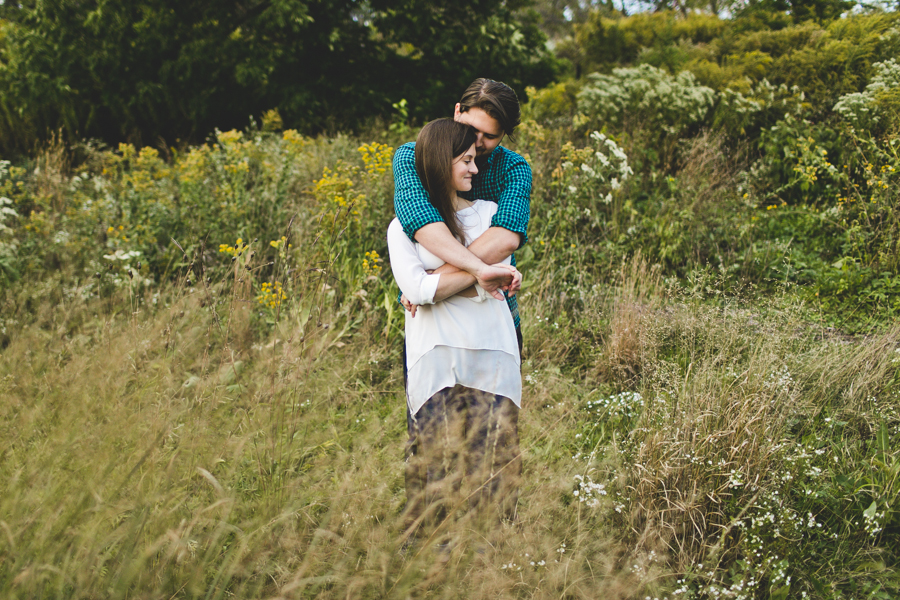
point(646, 102)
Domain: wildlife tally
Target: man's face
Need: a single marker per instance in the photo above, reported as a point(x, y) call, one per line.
point(486, 127)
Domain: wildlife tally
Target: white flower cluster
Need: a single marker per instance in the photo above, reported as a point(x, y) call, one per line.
point(764, 96)
point(123, 255)
point(861, 108)
point(646, 93)
point(607, 167)
point(535, 564)
point(781, 380)
point(6, 210)
point(873, 521)
point(744, 587)
point(623, 405)
point(588, 492)
point(612, 157)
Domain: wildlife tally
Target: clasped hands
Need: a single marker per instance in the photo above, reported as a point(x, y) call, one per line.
point(494, 279)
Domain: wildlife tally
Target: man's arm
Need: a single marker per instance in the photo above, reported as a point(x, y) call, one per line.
point(411, 204)
point(492, 247)
point(440, 242)
point(415, 212)
point(509, 226)
point(418, 285)
point(514, 200)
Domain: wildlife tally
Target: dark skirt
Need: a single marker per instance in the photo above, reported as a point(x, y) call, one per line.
point(462, 453)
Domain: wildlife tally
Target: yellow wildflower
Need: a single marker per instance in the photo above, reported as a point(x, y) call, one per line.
point(371, 262)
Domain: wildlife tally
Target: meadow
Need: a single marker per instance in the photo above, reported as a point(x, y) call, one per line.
point(201, 391)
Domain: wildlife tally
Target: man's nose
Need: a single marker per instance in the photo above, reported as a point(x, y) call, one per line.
point(479, 139)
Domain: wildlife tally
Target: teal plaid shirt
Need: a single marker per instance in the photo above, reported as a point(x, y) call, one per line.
point(505, 179)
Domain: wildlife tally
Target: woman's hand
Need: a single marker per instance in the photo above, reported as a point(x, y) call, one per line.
point(408, 305)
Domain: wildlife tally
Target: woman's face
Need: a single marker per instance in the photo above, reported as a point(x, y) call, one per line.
point(463, 169)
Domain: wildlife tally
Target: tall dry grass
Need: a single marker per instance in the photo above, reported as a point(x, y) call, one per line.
point(158, 455)
point(182, 440)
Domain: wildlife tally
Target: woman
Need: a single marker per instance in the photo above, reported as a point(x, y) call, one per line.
point(464, 386)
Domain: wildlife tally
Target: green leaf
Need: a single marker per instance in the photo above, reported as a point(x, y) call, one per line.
point(781, 593)
point(819, 586)
point(883, 440)
point(869, 513)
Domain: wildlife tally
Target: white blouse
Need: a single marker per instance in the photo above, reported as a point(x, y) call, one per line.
point(465, 341)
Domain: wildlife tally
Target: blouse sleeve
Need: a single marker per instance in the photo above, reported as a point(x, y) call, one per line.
point(409, 273)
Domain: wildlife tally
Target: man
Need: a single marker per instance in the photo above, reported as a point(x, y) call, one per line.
point(504, 177)
point(492, 109)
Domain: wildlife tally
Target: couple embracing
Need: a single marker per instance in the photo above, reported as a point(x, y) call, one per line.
point(462, 207)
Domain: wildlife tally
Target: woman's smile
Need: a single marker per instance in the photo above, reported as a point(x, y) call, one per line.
point(463, 170)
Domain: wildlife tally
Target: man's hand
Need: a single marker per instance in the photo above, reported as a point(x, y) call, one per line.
point(516, 284)
point(494, 278)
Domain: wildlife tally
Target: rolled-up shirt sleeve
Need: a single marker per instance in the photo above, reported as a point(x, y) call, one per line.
point(409, 273)
point(411, 203)
point(514, 204)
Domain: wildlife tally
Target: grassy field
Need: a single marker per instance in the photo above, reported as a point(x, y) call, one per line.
point(171, 427)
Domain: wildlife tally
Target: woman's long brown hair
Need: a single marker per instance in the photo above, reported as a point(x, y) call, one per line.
point(437, 145)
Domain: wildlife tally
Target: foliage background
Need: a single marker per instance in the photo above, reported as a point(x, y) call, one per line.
point(142, 72)
point(200, 372)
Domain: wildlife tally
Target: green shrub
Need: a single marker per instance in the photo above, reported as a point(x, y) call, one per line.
point(744, 114)
point(606, 42)
point(645, 95)
point(824, 59)
point(554, 105)
point(824, 62)
point(878, 106)
point(647, 99)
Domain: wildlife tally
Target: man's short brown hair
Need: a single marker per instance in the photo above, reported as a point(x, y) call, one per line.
point(496, 99)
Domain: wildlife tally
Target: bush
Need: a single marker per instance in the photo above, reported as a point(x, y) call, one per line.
point(823, 59)
point(645, 95)
point(647, 99)
point(877, 107)
point(262, 202)
point(745, 114)
point(142, 71)
point(606, 42)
